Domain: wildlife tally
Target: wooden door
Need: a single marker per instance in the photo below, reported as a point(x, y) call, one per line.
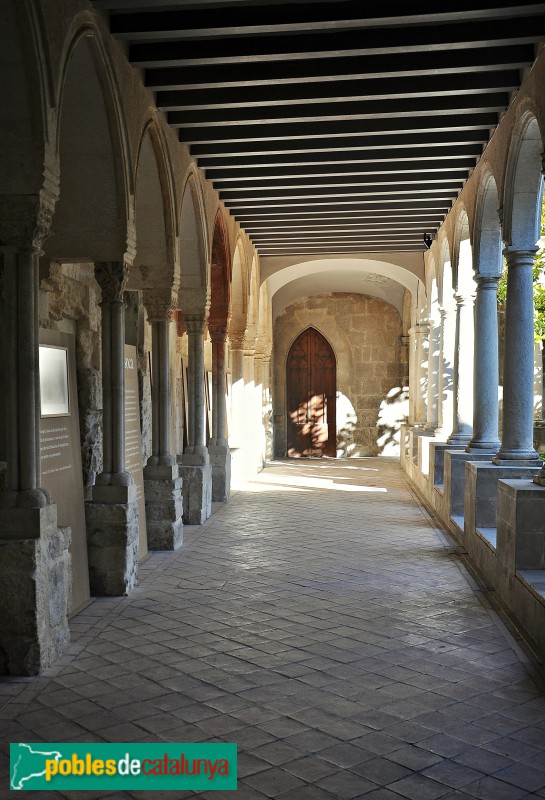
point(311, 395)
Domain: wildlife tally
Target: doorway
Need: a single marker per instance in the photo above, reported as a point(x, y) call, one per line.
point(311, 373)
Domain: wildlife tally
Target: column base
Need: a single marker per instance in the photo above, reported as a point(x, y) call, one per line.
point(112, 543)
point(197, 491)
point(479, 447)
point(515, 458)
point(220, 460)
point(459, 439)
point(164, 507)
point(35, 589)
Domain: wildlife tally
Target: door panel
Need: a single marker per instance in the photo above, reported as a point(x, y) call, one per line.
point(311, 396)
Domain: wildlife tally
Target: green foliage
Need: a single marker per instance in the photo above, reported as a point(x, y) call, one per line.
point(539, 285)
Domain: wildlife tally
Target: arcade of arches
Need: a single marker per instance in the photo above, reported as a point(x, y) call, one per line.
point(158, 350)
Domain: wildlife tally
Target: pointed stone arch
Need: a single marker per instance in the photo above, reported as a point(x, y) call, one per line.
point(220, 274)
point(239, 292)
point(93, 216)
point(155, 263)
point(194, 258)
point(523, 185)
point(487, 244)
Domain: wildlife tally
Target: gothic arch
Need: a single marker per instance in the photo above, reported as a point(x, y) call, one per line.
point(523, 185)
point(220, 273)
point(461, 252)
point(155, 215)
point(194, 273)
point(92, 215)
point(487, 231)
point(239, 293)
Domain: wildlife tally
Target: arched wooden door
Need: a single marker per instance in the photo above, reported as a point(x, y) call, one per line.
point(311, 373)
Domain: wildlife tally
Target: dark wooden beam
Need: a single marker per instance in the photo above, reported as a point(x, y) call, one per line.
point(443, 62)
point(312, 131)
point(350, 149)
point(338, 91)
point(424, 164)
point(431, 38)
point(303, 17)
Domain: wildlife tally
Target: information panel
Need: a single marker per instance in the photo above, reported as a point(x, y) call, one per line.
point(133, 443)
point(60, 450)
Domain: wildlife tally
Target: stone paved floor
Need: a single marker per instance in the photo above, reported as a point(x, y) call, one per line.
point(319, 621)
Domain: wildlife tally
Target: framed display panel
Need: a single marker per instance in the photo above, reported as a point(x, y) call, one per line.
point(54, 384)
point(185, 404)
point(208, 403)
point(133, 444)
point(60, 450)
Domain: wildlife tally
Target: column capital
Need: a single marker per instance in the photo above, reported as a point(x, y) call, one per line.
point(195, 322)
point(405, 341)
point(421, 329)
point(484, 281)
point(236, 340)
point(218, 333)
point(112, 278)
point(520, 258)
point(159, 303)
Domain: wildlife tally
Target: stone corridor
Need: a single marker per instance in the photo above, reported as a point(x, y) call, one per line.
point(319, 621)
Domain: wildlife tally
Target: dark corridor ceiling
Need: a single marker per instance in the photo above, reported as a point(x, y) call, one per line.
point(333, 127)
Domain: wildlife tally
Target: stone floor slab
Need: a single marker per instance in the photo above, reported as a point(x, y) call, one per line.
point(323, 624)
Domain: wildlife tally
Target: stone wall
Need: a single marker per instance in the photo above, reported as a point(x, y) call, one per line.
point(365, 334)
point(69, 302)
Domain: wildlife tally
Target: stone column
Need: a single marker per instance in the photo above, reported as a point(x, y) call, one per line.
point(422, 343)
point(446, 371)
point(35, 570)
point(517, 447)
point(267, 405)
point(162, 481)
point(405, 358)
point(196, 469)
point(432, 415)
point(236, 342)
point(485, 366)
point(220, 457)
point(462, 422)
point(250, 440)
point(112, 514)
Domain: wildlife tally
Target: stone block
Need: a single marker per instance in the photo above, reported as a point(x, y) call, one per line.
point(220, 460)
point(482, 495)
point(164, 510)
point(521, 525)
point(197, 492)
point(455, 477)
point(437, 458)
point(112, 547)
point(35, 588)
point(27, 523)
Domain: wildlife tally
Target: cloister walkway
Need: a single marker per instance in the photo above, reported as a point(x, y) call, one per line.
point(322, 623)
